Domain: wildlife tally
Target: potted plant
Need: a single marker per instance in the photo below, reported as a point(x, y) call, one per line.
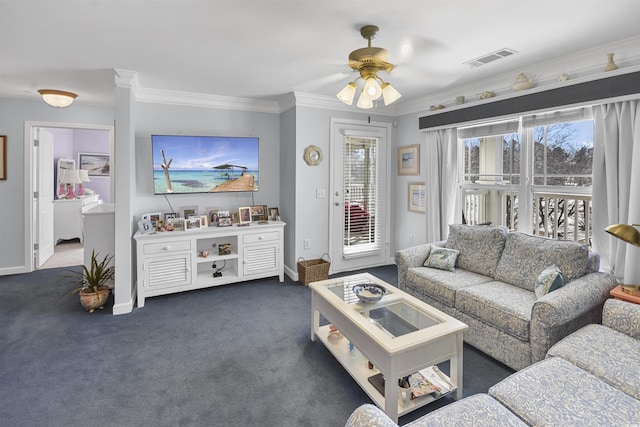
point(91, 282)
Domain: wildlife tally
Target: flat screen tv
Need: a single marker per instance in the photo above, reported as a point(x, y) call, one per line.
point(204, 164)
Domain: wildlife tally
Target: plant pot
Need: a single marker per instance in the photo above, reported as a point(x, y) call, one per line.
point(92, 300)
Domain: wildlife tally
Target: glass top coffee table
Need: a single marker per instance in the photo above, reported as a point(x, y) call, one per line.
point(399, 335)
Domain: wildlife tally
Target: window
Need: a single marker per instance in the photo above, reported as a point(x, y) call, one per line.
point(360, 194)
point(554, 186)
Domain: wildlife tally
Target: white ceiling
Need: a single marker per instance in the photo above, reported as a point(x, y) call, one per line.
point(260, 49)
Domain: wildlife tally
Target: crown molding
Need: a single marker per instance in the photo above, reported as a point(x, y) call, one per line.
point(127, 79)
point(190, 99)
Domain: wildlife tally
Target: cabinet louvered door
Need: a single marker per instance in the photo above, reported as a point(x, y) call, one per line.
point(261, 259)
point(168, 272)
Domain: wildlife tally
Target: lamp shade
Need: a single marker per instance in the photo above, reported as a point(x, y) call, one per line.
point(57, 98)
point(71, 176)
point(372, 89)
point(347, 94)
point(625, 232)
point(84, 175)
point(364, 102)
point(389, 94)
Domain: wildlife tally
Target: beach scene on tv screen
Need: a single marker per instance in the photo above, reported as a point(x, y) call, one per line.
point(204, 164)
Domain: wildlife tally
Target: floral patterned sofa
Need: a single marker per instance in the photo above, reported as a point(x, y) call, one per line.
point(589, 378)
point(498, 284)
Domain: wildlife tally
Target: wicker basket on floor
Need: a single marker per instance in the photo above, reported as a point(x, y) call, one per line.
point(313, 270)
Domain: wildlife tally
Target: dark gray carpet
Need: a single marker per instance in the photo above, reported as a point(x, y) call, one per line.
point(232, 355)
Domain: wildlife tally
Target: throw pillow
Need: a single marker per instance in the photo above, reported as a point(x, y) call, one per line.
point(549, 280)
point(442, 258)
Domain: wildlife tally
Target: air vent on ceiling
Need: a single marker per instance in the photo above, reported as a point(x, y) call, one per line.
point(490, 57)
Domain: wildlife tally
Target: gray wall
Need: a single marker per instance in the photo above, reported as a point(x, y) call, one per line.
point(175, 120)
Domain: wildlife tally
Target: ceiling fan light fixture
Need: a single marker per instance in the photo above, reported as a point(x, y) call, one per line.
point(372, 89)
point(57, 98)
point(368, 62)
point(389, 94)
point(364, 102)
point(347, 94)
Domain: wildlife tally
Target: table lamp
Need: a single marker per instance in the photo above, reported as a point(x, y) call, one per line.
point(629, 234)
point(83, 174)
point(70, 177)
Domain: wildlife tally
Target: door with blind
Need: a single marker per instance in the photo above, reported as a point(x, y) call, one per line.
point(359, 206)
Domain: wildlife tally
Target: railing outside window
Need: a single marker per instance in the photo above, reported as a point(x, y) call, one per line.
point(557, 215)
point(563, 216)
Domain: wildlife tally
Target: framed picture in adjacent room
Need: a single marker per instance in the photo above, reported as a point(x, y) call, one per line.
point(96, 164)
point(417, 197)
point(409, 160)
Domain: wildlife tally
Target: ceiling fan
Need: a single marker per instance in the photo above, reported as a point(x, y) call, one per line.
point(368, 61)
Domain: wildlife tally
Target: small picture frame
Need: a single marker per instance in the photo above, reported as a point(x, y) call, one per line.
point(244, 215)
point(409, 160)
point(153, 217)
point(160, 225)
point(170, 215)
point(417, 197)
point(191, 224)
point(145, 227)
point(213, 217)
point(204, 221)
point(274, 214)
point(188, 211)
point(224, 219)
point(224, 249)
point(174, 224)
point(258, 212)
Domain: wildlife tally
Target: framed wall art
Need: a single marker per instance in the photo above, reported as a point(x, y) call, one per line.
point(417, 197)
point(96, 164)
point(3, 157)
point(409, 160)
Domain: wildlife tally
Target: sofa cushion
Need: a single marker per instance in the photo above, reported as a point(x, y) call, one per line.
point(442, 259)
point(525, 256)
point(478, 410)
point(503, 306)
point(480, 246)
point(548, 281)
point(554, 392)
point(606, 353)
point(442, 285)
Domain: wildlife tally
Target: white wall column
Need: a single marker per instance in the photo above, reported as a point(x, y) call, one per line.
point(124, 178)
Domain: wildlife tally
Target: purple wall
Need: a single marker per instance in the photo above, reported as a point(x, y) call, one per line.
point(68, 143)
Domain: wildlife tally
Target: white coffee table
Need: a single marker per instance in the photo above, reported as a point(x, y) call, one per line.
point(399, 335)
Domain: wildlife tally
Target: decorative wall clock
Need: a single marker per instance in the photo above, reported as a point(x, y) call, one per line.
point(313, 155)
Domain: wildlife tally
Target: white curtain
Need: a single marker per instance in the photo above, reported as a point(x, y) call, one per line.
point(616, 185)
point(442, 204)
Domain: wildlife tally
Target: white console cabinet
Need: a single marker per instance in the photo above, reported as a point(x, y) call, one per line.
point(67, 216)
point(173, 261)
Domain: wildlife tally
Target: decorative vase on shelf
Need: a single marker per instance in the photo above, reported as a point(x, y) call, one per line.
point(610, 64)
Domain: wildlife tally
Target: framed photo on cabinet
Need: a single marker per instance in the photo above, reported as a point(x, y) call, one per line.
point(417, 197)
point(409, 160)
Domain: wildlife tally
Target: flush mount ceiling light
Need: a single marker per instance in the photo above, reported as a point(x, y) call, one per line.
point(368, 61)
point(57, 98)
